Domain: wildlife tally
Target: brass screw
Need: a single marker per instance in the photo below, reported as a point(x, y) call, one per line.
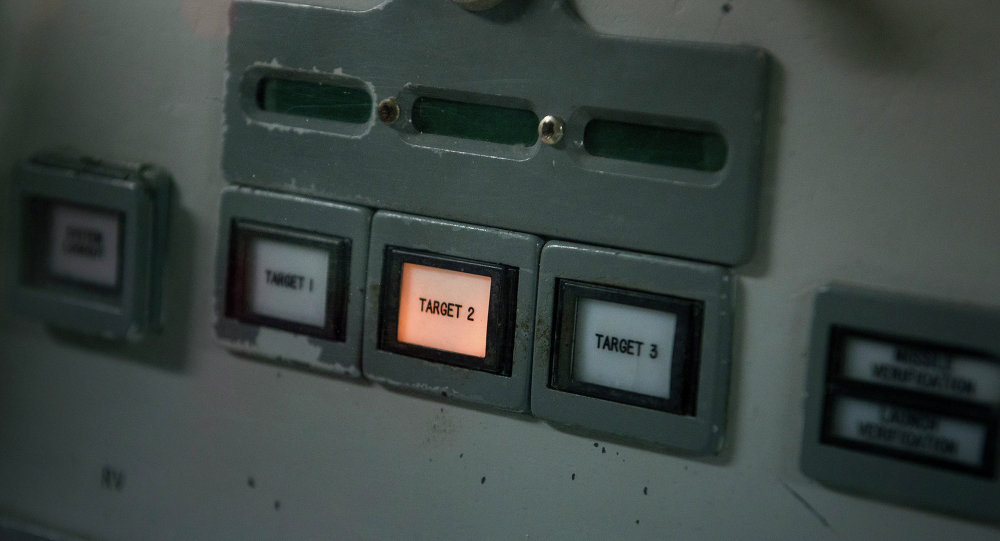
point(388, 110)
point(551, 129)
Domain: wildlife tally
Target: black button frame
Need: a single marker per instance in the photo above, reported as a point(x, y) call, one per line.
point(500, 320)
point(686, 351)
point(35, 268)
point(243, 233)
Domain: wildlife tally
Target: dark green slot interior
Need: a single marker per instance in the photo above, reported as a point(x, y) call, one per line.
point(702, 151)
point(314, 99)
point(503, 125)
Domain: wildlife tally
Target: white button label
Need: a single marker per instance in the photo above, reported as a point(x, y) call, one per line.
point(624, 347)
point(84, 245)
point(916, 432)
point(922, 369)
point(444, 309)
point(288, 281)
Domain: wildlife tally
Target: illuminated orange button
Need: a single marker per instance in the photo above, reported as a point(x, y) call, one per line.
point(444, 309)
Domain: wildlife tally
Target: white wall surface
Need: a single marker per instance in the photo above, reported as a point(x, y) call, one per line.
point(881, 171)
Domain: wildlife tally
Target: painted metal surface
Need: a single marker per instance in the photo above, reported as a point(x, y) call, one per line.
point(880, 172)
point(558, 191)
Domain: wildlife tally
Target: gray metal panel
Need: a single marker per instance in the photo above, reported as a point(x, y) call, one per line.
point(533, 51)
point(295, 212)
point(142, 195)
point(877, 475)
point(699, 434)
point(884, 173)
point(465, 241)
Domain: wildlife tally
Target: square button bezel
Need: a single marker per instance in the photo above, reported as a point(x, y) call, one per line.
point(699, 432)
point(299, 219)
point(465, 242)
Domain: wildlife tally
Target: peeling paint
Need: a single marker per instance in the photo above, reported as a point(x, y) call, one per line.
point(297, 347)
point(440, 390)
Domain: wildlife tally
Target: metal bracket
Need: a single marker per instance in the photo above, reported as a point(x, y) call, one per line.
point(534, 55)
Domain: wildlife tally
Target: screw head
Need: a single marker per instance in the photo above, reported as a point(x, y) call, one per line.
point(388, 110)
point(551, 130)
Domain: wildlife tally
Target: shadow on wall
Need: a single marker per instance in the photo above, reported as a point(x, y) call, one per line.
point(873, 35)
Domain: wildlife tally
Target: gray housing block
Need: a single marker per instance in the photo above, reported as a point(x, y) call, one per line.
point(869, 473)
point(142, 194)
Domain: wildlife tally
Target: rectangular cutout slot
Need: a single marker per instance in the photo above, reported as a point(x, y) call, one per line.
point(657, 145)
point(314, 99)
point(476, 121)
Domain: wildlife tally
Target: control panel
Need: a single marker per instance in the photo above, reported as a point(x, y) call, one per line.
point(468, 177)
point(549, 141)
point(414, 268)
